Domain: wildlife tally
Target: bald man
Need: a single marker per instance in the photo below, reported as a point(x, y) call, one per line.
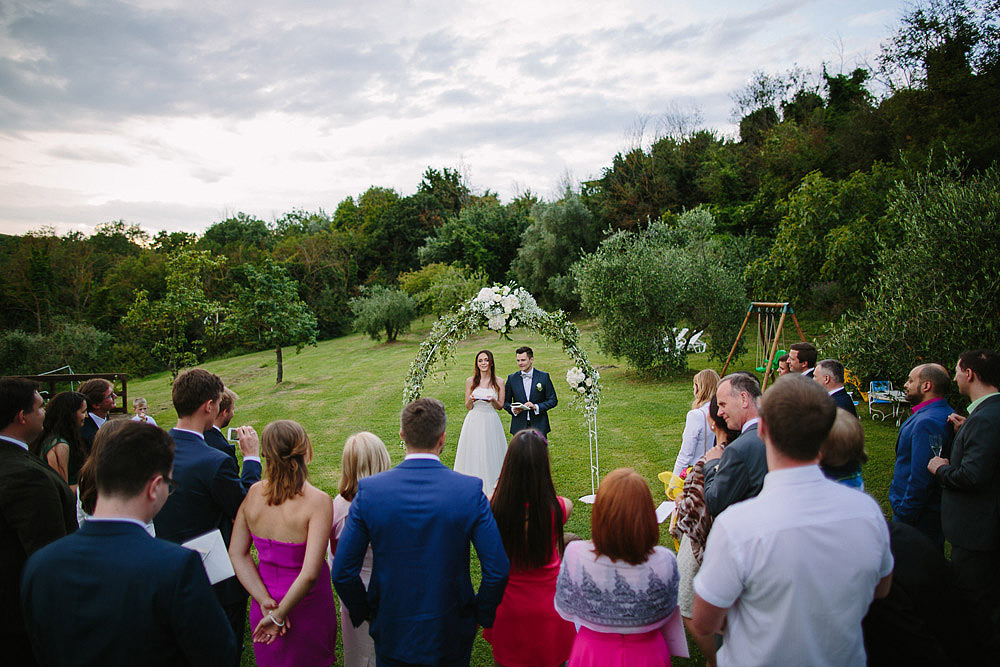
point(914, 495)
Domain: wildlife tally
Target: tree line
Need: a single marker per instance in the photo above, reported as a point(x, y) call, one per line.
point(813, 202)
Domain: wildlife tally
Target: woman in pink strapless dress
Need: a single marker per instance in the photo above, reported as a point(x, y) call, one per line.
point(292, 613)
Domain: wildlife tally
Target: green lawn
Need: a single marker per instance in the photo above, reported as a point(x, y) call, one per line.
point(353, 383)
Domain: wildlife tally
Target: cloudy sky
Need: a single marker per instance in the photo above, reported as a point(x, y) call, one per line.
point(175, 114)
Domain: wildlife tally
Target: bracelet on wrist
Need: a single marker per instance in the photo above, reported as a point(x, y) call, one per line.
point(275, 621)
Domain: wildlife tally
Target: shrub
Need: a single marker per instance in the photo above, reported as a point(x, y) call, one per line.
point(438, 287)
point(640, 285)
point(939, 291)
point(383, 309)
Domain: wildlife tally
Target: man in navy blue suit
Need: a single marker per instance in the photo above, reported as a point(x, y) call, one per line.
point(420, 518)
point(830, 375)
point(532, 389)
point(110, 594)
point(209, 491)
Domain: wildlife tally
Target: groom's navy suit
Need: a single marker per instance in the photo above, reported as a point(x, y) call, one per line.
point(419, 518)
point(542, 394)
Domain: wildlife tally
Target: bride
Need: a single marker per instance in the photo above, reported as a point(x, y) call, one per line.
point(482, 444)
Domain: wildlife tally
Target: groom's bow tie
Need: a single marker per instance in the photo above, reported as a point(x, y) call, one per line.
point(526, 375)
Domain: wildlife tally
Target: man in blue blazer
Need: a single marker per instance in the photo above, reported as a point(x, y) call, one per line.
point(419, 519)
point(209, 491)
point(531, 388)
point(112, 595)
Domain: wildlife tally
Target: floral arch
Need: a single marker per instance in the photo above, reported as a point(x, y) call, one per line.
point(501, 308)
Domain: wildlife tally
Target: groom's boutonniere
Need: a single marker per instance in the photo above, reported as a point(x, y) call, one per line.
point(538, 386)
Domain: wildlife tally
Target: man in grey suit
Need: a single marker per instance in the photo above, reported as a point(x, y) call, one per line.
point(970, 500)
point(736, 472)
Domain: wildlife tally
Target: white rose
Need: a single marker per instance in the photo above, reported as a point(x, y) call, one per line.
point(589, 382)
point(496, 297)
point(485, 295)
point(505, 290)
point(581, 390)
point(513, 322)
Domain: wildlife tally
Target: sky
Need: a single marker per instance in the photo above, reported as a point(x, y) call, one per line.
point(174, 114)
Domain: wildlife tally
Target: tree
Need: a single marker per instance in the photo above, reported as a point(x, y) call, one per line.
point(558, 233)
point(169, 327)
point(438, 288)
point(268, 313)
point(484, 236)
point(938, 291)
point(381, 309)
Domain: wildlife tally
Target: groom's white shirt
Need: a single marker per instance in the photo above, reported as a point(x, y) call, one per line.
point(526, 379)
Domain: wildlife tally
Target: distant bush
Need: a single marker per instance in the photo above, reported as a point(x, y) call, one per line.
point(85, 348)
point(437, 288)
point(938, 292)
point(641, 284)
point(383, 309)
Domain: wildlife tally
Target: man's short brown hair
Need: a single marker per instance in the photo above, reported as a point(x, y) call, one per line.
point(422, 422)
point(228, 399)
point(95, 389)
point(798, 414)
point(192, 388)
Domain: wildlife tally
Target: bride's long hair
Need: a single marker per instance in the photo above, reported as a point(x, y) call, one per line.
point(477, 376)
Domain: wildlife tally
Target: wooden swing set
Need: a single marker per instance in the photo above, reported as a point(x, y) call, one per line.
point(770, 329)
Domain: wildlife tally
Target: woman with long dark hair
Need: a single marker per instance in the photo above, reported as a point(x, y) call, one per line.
point(620, 588)
point(292, 614)
point(527, 631)
point(482, 443)
point(59, 443)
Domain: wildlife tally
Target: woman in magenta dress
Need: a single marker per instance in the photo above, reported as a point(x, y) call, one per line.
point(292, 613)
point(527, 631)
point(620, 588)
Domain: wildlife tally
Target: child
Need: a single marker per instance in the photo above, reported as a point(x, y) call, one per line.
point(842, 454)
point(140, 407)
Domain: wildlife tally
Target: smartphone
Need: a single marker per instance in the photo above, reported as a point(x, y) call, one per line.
point(232, 434)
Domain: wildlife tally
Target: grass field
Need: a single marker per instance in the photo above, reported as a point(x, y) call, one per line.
point(353, 383)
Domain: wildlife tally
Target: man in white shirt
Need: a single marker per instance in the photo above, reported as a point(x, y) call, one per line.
point(792, 572)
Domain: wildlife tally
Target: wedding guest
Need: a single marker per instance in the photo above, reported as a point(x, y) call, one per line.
point(112, 595)
point(86, 492)
point(698, 437)
point(364, 455)
point(783, 365)
point(843, 452)
point(693, 524)
point(736, 473)
point(36, 506)
point(288, 519)
point(527, 631)
point(621, 564)
point(101, 397)
point(802, 359)
point(59, 444)
point(140, 409)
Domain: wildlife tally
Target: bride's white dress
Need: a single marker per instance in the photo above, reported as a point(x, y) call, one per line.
point(482, 444)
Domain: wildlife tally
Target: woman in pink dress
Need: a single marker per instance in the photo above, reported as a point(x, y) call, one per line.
point(364, 455)
point(527, 631)
point(620, 588)
point(292, 614)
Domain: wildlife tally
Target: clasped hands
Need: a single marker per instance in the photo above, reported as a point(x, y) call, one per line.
point(271, 625)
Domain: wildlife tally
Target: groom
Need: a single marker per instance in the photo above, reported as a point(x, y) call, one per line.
point(533, 389)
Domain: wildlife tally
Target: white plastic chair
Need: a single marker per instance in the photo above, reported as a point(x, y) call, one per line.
point(695, 344)
point(682, 339)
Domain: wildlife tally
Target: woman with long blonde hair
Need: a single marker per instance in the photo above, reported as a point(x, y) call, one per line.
point(698, 438)
point(364, 455)
point(292, 614)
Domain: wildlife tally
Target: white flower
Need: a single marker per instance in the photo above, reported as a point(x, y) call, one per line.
point(505, 291)
point(485, 295)
point(538, 386)
point(581, 390)
point(496, 322)
point(513, 322)
point(589, 382)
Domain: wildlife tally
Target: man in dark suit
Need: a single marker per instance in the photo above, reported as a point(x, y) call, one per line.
point(100, 399)
point(802, 358)
point(232, 595)
point(112, 595)
point(970, 500)
point(736, 472)
point(531, 388)
point(36, 506)
point(830, 375)
point(209, 490)
point(420, 518)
